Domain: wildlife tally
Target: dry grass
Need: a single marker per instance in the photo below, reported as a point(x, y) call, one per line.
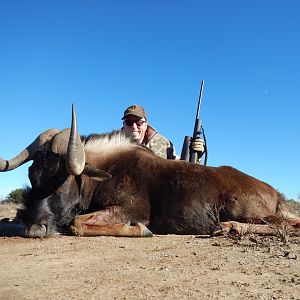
point(8, 210)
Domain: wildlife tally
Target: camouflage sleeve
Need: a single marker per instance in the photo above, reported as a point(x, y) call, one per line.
point(162, 147)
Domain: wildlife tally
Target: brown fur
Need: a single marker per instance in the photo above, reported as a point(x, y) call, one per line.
point(167, 196)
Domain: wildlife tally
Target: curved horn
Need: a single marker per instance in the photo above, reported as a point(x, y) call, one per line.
point(60, 143)
point(28, 153)
point(75, 154)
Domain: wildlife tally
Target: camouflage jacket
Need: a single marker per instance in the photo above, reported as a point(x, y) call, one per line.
point(159, 144)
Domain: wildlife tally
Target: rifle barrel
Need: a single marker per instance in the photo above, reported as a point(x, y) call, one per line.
point(197, 126)
point(200, 100)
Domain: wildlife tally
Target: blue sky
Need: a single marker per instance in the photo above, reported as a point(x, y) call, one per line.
point(107, 55)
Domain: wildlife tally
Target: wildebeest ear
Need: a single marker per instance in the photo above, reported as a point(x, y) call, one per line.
point(96, 174)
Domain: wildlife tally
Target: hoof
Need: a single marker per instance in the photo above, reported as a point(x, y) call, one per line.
point(75, 231)
point(145, 232)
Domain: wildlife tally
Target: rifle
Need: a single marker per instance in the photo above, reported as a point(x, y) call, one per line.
point(187, 153)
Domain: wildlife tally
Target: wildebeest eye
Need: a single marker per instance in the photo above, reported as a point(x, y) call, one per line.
point(45, 165)
point(52, 164)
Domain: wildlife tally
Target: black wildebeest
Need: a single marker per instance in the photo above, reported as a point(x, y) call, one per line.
point(108, 185)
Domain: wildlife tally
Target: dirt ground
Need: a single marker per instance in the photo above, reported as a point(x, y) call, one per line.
point(161, 267)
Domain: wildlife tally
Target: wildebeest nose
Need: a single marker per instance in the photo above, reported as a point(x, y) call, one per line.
point(35, 231)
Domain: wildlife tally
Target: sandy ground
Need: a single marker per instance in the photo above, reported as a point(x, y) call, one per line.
point(161, 267)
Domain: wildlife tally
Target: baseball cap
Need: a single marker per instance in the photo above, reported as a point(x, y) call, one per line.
point(135, 110)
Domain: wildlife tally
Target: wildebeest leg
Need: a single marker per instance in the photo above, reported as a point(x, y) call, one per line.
point(261, 229)
point(109, 222)
point(125, 230)
point(295, 222)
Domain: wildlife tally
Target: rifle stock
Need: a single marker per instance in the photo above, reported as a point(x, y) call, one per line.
point(185, 152)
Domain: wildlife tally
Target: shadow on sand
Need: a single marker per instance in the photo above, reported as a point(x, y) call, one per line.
point(11, 227)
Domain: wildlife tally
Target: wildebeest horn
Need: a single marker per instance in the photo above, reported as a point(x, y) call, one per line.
point(28, 153)
point(75, 154)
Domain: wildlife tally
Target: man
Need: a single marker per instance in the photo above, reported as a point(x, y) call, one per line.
point(135, 123)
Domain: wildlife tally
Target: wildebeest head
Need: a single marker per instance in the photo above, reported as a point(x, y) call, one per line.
point(55, 175)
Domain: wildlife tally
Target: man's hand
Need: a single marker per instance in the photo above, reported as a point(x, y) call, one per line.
point(198, 145)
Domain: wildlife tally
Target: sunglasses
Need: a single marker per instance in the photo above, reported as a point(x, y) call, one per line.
point(131, 122)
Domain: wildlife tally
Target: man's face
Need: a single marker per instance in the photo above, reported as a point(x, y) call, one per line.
point(136, 127)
